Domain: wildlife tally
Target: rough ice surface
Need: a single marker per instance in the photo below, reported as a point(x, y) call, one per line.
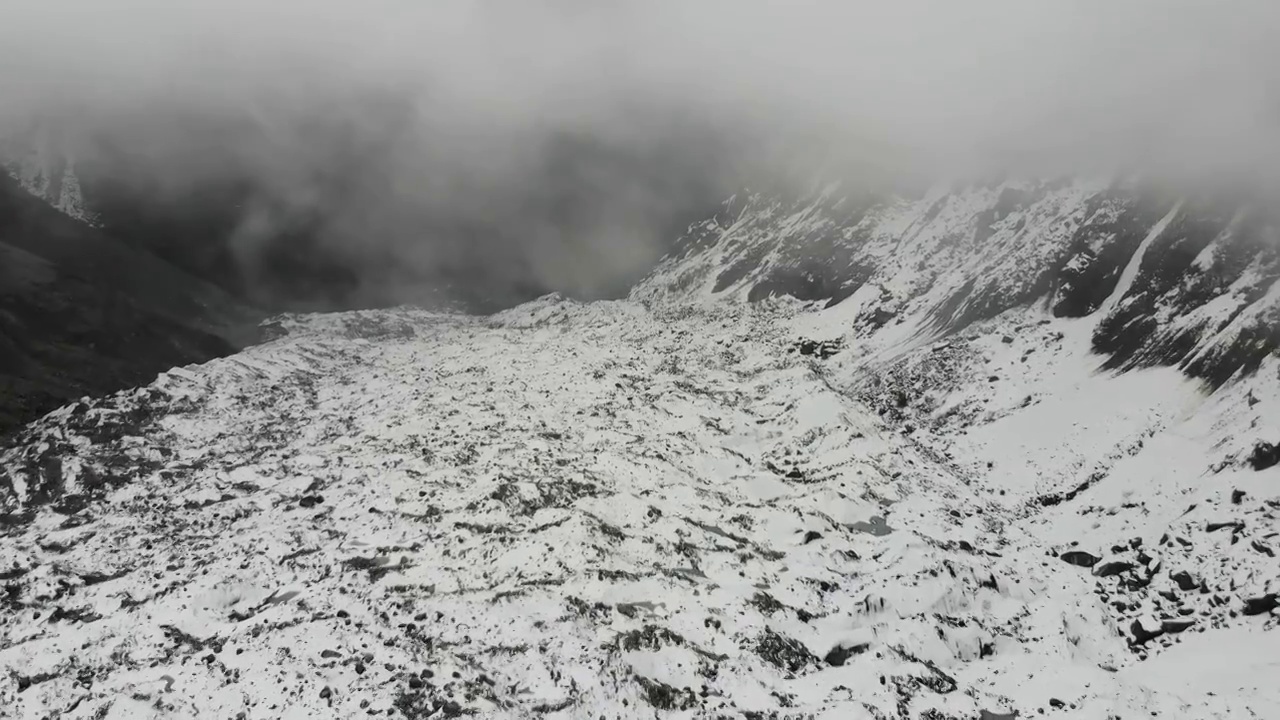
point(679, 505)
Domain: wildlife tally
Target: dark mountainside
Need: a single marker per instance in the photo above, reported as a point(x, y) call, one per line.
point(82, 314)
point(1200, 292)
point(180, 264)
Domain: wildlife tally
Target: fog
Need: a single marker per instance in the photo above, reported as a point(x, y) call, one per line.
point(533, 145)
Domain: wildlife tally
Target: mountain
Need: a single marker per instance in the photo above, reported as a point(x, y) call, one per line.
point(84, 314)
point(991, 452)
point(1167, 280)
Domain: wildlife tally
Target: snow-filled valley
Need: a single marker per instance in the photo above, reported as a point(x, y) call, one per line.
point(678, 505)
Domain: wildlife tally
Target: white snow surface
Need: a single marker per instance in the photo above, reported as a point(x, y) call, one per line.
point(627, 509)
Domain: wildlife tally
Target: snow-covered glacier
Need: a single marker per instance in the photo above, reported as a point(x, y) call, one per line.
point(996, 452)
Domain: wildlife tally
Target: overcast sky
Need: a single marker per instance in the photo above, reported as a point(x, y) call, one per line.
point(1185, 89)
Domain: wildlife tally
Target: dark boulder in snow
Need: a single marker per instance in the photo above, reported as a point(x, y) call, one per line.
point(1234, 525)
point(1185, 581)
point(1079, 558)
point(1115, 567)
point(840, 654)
point(822, 349)
point(1145, 630)
point(1261, 605)
point(1264, 455)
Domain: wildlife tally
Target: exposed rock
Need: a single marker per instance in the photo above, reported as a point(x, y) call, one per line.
point(1079, 558)
point(1145, 629)
point(665, 697)
point(821, 349)
point(1234, 525)
point(1175, 626)
point(1264, 455)
point(840, 654)
point(1115, 567)
point(1185, 581)
point(784, 652)
point(1261, 605)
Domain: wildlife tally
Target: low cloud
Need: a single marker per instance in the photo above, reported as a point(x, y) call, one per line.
point(559, 144)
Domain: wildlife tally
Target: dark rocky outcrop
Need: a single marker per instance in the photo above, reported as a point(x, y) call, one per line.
point(1142, 634)
point(783, 652)
point(1261, 605)
point(821, 349)
point(1265, 455)
point(1115, 567)
point(1206, 261)
point(1079, 558)
point(83, 314)
point(840, 654)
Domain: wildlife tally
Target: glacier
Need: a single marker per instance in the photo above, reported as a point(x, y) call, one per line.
point(976, 455)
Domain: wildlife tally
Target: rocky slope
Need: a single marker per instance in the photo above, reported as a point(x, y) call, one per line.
point(908, 481)
point(1168, 280)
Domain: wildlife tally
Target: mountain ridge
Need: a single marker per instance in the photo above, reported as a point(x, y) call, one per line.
point(1201, 294)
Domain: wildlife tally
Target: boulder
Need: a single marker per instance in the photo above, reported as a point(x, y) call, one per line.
point(1079, 558)
point(1186, 582)
point(1115, 567)
point(1261, 605)
point(840, 654)
point(1264, 455)
point(1145, 629)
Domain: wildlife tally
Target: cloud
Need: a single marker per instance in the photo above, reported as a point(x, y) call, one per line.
point(558, 143)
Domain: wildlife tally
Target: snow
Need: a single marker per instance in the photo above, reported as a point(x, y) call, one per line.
point(594, 507)
point(664, 506)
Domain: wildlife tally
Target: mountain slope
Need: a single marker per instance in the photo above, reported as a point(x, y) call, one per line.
point(82, 314)
point(1170, 281)
point(695, 509)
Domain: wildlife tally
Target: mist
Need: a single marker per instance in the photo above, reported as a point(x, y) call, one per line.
point(341, 153)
